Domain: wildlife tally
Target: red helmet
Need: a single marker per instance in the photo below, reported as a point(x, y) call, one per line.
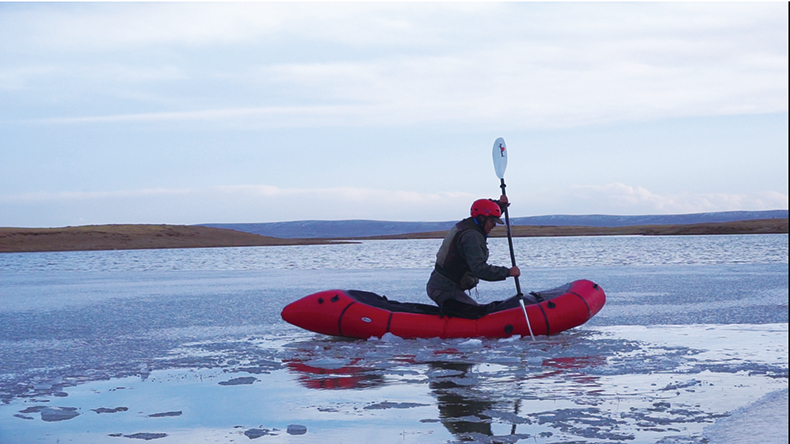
point(488, 208)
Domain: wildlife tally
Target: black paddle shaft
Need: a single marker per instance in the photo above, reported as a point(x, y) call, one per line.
point(510, 237)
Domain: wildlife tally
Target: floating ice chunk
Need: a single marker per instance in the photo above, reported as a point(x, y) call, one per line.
point(471, 343)
point(144, 372)
point(680, 385)
point(535, 360)
point(441, 372)
point(513, 338)
point(504, 360)
point(391, 339)
point(327, 363)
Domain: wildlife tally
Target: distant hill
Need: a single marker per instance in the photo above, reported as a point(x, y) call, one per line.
point(362, 228)
point(596, 220)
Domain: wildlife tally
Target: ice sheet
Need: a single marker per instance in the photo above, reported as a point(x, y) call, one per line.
point(605, 384)
point(763, 421)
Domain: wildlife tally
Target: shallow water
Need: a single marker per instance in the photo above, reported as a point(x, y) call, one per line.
point(92, 344)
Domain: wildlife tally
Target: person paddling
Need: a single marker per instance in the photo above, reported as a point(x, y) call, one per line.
point(462, 259)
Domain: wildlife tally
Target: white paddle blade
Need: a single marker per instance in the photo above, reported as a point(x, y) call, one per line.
point(500, 157)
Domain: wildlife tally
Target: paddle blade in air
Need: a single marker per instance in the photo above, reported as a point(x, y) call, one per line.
point(500, 157)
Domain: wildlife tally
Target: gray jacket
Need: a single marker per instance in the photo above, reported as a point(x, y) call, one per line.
point(464, 250)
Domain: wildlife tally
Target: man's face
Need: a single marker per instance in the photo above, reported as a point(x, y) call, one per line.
point(489, 225)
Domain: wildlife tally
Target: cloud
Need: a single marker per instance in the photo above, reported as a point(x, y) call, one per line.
point(273, 116)
point(237, 203)
point(351, 194)
point(269, 203)
point(140, 95)
point(102, 27)
point(64, 196)
point(622, 199)
point(511, 66)
point(266, 203)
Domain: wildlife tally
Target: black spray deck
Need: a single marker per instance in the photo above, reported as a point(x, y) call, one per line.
point(453, 308)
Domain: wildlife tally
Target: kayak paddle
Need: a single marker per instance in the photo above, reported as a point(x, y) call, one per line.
point(500, 165)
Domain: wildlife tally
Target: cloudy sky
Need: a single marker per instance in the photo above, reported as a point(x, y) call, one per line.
point(186, 113)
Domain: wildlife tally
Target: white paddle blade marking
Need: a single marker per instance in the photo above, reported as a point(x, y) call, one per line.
point(500, 157)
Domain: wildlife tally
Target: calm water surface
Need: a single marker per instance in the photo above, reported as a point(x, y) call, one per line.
point(400, 254)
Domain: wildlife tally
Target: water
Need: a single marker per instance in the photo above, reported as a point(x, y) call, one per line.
point(544, 252)
point(694, 327)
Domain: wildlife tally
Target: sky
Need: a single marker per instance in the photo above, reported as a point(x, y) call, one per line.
point(190, 113)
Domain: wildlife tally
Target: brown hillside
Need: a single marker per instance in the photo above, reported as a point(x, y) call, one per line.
point(132, 237)
point(764, 226)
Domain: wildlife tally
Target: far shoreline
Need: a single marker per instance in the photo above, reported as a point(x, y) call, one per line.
point(138, 237)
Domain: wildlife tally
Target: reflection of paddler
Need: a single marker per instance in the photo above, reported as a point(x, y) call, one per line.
point(454, 406)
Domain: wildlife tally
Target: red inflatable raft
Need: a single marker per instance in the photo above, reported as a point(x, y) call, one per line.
point(361, 314)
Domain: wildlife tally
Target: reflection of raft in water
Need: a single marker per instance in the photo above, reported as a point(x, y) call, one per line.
point(361, 314)
point(347, 376)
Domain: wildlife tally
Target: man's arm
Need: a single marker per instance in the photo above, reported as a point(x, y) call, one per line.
point(472, 246)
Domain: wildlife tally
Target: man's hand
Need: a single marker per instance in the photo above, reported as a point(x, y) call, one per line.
point(503, 203)
point(515, 272)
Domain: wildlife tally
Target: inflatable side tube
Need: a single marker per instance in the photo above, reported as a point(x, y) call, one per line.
point(336, 313)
